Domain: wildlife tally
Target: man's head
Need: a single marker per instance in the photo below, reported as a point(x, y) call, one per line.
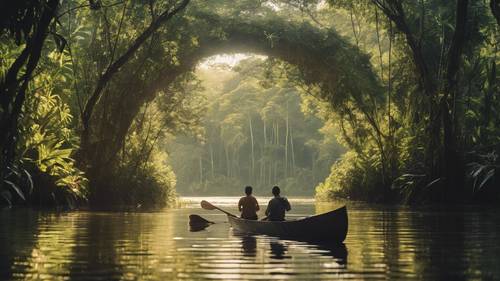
point(276, 190)
point(248, 190)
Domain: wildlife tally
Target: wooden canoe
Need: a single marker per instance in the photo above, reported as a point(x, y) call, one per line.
point(327, 227)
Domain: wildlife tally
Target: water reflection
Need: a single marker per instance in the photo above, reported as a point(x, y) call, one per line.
point(337, 251)
point(383, 243)
point(278, 250)
point(249, 246)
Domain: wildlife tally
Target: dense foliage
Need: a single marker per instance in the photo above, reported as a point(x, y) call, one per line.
point(439, 128)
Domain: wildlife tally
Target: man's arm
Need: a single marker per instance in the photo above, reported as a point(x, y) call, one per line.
point(287, 205)
point(240, 204)
point(257, 205)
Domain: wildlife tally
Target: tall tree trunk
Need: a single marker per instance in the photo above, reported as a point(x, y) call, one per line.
point(292, 150)
point(228, 164)
point(252, 145)
point(270, 179)
point(380, 53)
point(265, 133)
point(353, 26)
point(201, 170)
point(261, 170)
point(453, 162)
point(313, 167)
point(277, 133)
point(286, 145)
point(212, 169)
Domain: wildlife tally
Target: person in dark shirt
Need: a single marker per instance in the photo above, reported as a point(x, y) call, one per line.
point(277, 206)
point(248, 205)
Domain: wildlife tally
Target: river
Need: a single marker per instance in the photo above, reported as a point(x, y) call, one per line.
point(383, 242)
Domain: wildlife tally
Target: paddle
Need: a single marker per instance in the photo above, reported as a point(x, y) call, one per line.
point(208, 206)
point(198, 220)
point(197, 223)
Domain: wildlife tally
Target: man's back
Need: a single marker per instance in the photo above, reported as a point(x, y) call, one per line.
point(276, 208)
point(248, 206)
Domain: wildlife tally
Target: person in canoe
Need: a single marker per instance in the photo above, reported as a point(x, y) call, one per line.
point(248, 205)
point(277, 206)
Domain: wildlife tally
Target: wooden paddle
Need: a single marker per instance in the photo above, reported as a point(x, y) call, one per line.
point(208, 206)
point(195, 220)
point(197, 223)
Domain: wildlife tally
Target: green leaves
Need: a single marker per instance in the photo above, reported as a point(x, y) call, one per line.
point(17, 181)
point(47, 142)
point(15, 188)
point(483, 171)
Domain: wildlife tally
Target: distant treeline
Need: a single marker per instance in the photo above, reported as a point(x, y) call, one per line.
point(256, 132)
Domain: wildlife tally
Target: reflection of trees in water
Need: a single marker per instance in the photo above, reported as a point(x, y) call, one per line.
point(38, 244)
point(14, 247)
point(114, 246)
point(97, 250)
point(439, 248)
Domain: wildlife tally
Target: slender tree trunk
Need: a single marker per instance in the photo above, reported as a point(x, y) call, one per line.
point(286, 145)
point(201, 170)
point(275, 174)
point(273, 134)
point(353, 25)
point(265, 133)
point(273, 137)
point(380, 53)
point(252, 145)
point(228, 164)
point(313, 167)
point(270, 179)
point(292, 150)
point(277, 133)
point(212, 169)
point(261, 170)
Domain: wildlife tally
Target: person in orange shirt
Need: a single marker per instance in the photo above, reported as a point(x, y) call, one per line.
point(248, 205)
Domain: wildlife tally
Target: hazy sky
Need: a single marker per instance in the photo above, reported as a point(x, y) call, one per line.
point(228, 59)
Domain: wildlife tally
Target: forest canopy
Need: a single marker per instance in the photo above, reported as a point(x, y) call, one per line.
point(97, 90)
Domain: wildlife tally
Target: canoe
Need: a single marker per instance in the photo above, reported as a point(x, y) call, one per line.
point(327, 227)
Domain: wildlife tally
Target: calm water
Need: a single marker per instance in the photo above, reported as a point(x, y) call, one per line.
point(382, 243)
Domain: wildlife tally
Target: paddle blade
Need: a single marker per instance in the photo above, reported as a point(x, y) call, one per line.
point(207, 205)
point(198, 220)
